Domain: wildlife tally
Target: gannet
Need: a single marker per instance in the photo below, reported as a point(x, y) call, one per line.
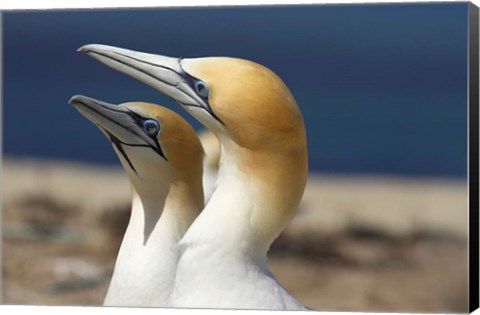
point(262, 175)
point(162, 156)
point(211, 161)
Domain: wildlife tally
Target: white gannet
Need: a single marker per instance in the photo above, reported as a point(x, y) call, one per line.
point(162, 156)
point(211, 161)
point(262, 176)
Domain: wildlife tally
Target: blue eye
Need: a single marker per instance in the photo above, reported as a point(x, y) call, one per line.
point(201, 88)
point(151, 127)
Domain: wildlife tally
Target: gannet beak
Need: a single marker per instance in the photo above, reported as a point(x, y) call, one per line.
point(121, 125)
point(160, 72)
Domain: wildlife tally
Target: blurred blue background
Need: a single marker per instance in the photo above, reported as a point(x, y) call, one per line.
point(383, 88)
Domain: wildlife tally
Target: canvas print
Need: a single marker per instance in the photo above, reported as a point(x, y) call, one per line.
point(302, 157)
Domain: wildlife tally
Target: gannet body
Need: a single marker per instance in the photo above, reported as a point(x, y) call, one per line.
point(162, 156)
point(211, 147)
point(262, 176)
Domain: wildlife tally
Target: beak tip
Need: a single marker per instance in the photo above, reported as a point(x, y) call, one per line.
point(76, 99)
point(83, 49)
point(87, 48)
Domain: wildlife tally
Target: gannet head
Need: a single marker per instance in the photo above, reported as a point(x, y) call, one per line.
point(155, 145)
point(251, 111)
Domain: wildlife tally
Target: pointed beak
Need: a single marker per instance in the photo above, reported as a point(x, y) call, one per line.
point(121, 125)
point(160, 72)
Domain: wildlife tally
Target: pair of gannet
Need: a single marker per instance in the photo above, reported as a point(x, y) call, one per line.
point(220, 261)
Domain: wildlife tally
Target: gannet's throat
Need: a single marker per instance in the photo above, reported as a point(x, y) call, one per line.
point(160, 72)
point(118, 144)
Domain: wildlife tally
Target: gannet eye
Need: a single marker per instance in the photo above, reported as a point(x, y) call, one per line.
point(151, 127)
point(201, 88)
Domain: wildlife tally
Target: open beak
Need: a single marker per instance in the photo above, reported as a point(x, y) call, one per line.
point(121, 125)
point(160, 72)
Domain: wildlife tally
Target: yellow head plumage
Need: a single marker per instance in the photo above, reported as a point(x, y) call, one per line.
point(251, 100)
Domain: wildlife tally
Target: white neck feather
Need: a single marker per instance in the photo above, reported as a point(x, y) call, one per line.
point(223, 260)
point(223, 224)
point(144, 272)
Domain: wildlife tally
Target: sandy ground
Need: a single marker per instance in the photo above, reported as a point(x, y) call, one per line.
point(357, 243)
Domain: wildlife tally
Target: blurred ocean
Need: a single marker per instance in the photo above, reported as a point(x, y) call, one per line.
point(383, 88)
